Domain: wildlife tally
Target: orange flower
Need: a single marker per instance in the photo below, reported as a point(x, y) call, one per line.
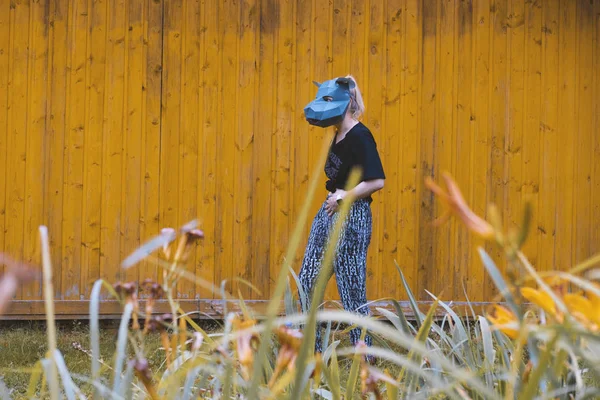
point(542, 299)
point(457, 205)
point(504, 320)
point(245, 345)
point(290, 340)
point(583, 309)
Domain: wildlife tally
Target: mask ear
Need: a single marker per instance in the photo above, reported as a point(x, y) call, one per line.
point(317, 84)
point(346, 82)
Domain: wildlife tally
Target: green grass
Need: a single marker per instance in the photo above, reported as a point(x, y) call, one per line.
point(22, 345)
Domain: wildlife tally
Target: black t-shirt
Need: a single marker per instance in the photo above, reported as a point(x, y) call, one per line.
point(357, 148)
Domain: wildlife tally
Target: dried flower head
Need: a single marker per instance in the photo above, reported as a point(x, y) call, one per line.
point(15, 275)
point(245, 344)
point(290, 340)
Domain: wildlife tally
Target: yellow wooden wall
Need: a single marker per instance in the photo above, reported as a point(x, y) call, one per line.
point(120, 117)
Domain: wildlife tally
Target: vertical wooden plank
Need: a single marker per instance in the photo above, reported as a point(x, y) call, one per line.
point(5, 56)
point(211, 146)
point(262, 219)
point(170, 123)
point(595, 212)
point(259, 161)
point(244, 143)
point(518, 164)
point(17, 127)
point(282, 157)
point(548, 136)
point(428, 129)
point(567, 55)
point(518, 161)
point(53, 184)
point(151, 127)
point(340, 43)
point(464, 122)
point(359, 39)
point(444, 138)
point(409, 145)
point(393, 96)
point(190, 132)
point(498, 122)
point(480, 163)
point(229, 28)
point(338, 62)
point(112, 146)
point(132, 139)
point(36, 129)
point(375, 121)
point(321, 68)
point(305, 90)
point(73, 157)
point(532, 129)
point(584, 142)
point(92, 157)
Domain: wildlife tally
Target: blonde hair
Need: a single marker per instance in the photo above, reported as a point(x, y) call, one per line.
point(357, 105)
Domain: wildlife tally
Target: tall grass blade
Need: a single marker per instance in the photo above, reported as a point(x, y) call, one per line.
point(411, 298)
point(95, 332)
point(421, 337)
point(49, 306)
point(120, 352)
point(461, 333)
point(406, 327)
point(301, 294)
point(71, 390)
point(335, 376)
point(275, 301)
point(189, 383)
point(393, 318)
point(499, 281)
point(489, 359)
point(326, 336)
point(289, 301)
point(4, 392)
point(353, 375)
point(327, 354)
point(148, 248)
point(325, 394)
point(34, 379)
point(126, 387)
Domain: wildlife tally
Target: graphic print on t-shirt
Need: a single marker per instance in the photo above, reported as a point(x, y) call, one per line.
point(332, 166)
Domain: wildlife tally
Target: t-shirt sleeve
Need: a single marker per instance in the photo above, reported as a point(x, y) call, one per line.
point(368, 157)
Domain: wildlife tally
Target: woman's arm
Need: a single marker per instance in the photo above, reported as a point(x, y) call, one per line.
point(360, 191)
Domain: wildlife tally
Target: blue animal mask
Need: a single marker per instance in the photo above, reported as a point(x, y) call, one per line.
point(331, 103)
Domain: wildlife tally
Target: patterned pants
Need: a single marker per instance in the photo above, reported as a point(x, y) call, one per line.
point(350, 262)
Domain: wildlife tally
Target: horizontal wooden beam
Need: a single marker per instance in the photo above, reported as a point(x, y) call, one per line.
point(202, 308)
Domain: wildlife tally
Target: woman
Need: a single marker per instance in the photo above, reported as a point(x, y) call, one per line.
point(339, 104)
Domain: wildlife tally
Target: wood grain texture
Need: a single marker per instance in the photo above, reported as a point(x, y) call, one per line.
point(121, 117)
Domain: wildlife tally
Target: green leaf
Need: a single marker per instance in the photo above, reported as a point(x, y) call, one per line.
point(121, 351)
point(335, 376)
point(95, 332)
point(489, 359)
point(411, 297)
point(499, 281)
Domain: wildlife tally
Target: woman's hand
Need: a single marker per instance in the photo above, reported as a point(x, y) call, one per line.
point(331, 203)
